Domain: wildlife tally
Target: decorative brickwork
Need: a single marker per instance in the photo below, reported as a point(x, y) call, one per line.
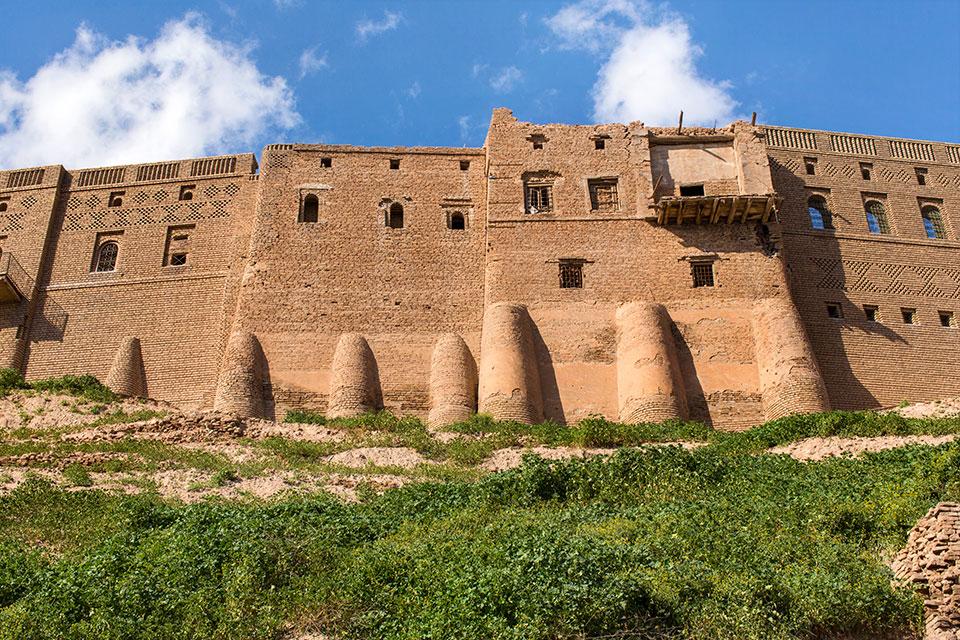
point(558, 272)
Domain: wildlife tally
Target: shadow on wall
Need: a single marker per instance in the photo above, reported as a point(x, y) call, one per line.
point(549, 387)
point(697, 405)
point(50, 321)
point(826, 334)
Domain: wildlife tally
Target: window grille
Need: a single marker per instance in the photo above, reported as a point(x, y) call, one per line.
point(539, 198)
point(876, 217)
point(702, 274)
point(933, 223)
point(107, 256)
point(603, 194)
point(820, 215)
point(571, 274)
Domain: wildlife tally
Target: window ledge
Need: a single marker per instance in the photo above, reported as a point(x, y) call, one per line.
point(872, 237)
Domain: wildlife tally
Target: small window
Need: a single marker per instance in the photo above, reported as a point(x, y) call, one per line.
point(921, 176)
point(394, 163)
point(537, 140)
point(834, 310)
point(310, 209)
point(876, 217)
point(326, 163)
point(909, 315)
point(820, 216)
point(810, 164)
point(116, 199)
point(186, 191)
point(866, 170)
point(691, 190)
point(395, 216)
point(464, 165)
point(106, 257)
point(871, 312)
point(539, 198)
point(4, 203)
point(946, 319)
point(599, 144)
point(702, 273)
point(603, 194)
point(933, 223)
point(571, 274)
point(457, 221)
point(178, 259)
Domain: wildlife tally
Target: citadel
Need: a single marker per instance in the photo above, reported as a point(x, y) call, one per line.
point(728, 275)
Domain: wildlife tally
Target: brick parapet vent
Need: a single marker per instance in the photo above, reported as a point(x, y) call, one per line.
point(930, 563)
point(257, 293)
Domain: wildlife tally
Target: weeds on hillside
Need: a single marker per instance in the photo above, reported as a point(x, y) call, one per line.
point(648, 543)
point(86, 386)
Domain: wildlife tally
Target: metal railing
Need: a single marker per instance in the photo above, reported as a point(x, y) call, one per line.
point(11, 270)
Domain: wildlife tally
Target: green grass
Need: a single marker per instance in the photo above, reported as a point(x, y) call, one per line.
point(85, 386)
point(659, 542)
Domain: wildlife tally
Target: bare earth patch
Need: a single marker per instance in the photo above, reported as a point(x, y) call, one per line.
point(947, 408)
point(403, 457)
point(820, 448)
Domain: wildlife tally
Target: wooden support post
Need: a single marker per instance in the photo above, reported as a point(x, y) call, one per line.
point(680, 126)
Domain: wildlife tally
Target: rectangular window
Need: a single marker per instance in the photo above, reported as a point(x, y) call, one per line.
point(178, 245)
point(871, 312)
point(394, 163)
point(946, 319)
point(865, 170)
point(810, 164)
point(537, 140)
point(921, 176)
point(603, 194)
point(909, 315)
point(691, 190)
point(539, 197)
point(599, 143)
point(464, 165)
point(571, 274)
point(702, 273)
point(326, 163)
point(834, 310)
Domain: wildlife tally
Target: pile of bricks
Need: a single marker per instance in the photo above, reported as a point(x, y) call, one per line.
point(930, 562)
point(194, 426)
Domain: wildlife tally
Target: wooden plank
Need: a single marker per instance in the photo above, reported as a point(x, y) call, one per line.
point(766, 210)
point(746, 210)
point(699, 211)
point(680, 212)
point(733, 210)
point(714, 210)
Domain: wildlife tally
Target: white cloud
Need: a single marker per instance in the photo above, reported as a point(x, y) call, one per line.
point(504, 80)
point(465, 124)
point(287, 4)
point(311, 62)
point(414, 90)
point(650, 72)
point(99, 102)
point(367, 28)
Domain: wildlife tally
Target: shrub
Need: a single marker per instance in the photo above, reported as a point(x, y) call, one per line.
point(85, 386)
point(11, 379)
point(77, 475)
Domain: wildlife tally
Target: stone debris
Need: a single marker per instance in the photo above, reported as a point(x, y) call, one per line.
point(930, 563)
point(946, 408)
point(403, 457)
point(59, 461)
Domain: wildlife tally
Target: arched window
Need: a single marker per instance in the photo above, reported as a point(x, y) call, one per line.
point(311, 208)
point(3, 207)
point(457, 221)
point(876, 217)
point(933, 223)
point(395, 217)
point(107, 256)
point(820, 216)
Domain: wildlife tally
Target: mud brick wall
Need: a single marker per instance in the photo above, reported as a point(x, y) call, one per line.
point(176, 311)
point(871, 364)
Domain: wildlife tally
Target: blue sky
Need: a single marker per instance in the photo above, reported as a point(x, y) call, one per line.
point(232, 75)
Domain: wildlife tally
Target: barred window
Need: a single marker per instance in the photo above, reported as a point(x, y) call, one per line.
point(571, 274)
point(539, 197)
point(107, 256)
point(946, 319)
point(876, 217)
point(933, 223)
point(702, 273)
point(820, 216)
point(603, 194)
point(909, 315)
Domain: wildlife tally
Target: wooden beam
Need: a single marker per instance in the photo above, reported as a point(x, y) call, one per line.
point(680, 212)
point(733, 210)
point(746, 210)
point(714, 210)
point(767, 209)
point(699, 211)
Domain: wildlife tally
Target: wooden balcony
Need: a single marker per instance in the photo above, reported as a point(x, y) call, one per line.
point(727, 209)
point(15, 284)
